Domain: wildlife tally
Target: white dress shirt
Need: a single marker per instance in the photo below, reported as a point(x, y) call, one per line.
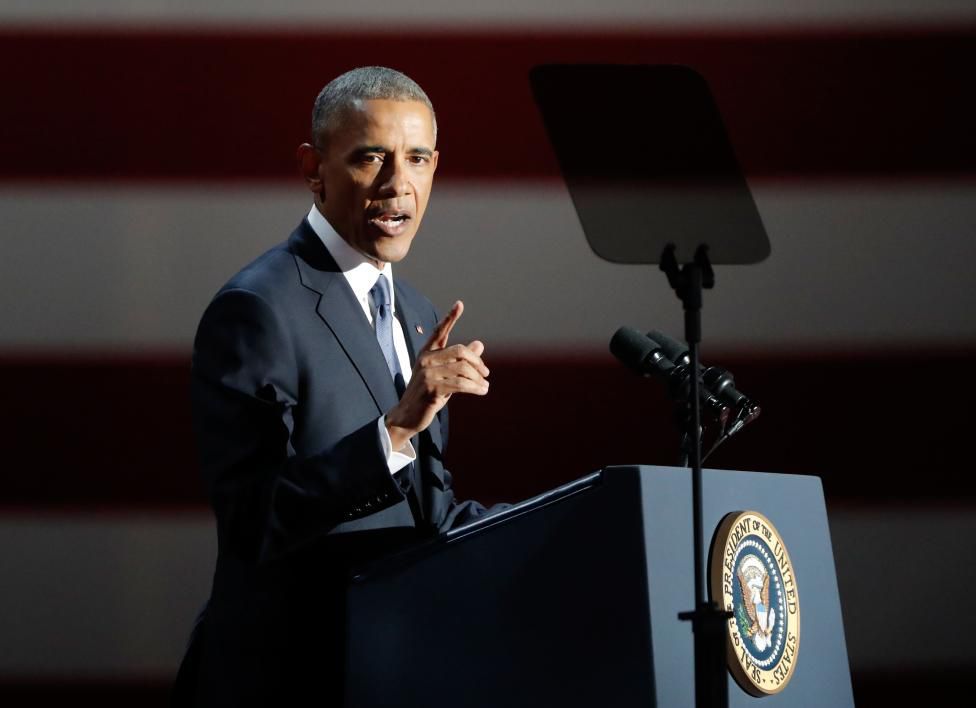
point(361, 276)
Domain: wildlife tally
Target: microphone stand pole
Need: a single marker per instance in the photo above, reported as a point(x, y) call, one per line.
point(707, 619)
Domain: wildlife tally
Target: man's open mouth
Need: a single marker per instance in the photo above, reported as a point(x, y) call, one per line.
point(391, 223)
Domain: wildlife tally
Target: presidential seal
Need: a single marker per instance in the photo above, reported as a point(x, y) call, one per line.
point(752, 577)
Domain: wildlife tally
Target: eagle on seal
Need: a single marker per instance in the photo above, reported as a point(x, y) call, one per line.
point(754, 582)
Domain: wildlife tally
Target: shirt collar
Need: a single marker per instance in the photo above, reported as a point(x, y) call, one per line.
point(358, 271)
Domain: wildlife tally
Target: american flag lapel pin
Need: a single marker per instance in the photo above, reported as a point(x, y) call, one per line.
point(420, 329)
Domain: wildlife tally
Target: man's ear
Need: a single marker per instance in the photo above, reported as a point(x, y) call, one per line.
point(433, 160)
point(309, 160)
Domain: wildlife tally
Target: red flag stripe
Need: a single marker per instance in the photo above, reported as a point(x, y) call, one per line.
point(96, 433)
point(103, 104)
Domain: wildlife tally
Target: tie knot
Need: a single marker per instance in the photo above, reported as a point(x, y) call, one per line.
point(381, 292)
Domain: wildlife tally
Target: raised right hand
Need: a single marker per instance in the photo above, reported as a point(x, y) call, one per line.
point(440, 371)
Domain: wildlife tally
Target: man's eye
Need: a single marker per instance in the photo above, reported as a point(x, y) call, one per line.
point(367, 158)
point(419, 159)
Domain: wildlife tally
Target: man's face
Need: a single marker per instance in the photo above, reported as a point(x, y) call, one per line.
point(377, 168)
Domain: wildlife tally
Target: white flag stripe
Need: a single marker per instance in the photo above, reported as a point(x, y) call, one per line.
point(118, 594)
point(98, 597)
point(448, 13)
point(852, 266)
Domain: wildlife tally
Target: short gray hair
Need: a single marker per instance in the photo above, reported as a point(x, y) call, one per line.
point(366, 83)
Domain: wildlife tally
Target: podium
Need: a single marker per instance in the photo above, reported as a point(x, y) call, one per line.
point(571, 599)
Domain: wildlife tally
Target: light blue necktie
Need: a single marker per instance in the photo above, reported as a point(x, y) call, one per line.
point(383, 322)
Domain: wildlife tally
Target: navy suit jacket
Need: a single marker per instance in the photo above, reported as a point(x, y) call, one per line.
point(288, 382)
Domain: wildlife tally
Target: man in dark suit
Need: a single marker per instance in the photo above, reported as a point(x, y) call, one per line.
point(319, 399)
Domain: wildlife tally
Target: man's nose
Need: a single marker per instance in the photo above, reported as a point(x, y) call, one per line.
point(393, 179)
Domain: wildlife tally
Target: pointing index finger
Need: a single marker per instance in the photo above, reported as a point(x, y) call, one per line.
point(438, 340)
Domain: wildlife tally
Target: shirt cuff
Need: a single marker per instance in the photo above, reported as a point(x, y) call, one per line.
point(396, 460)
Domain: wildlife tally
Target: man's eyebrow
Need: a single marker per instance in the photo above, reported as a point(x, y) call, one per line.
point(367, 149)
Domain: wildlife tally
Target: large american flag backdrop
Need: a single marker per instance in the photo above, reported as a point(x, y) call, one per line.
point(147, 152)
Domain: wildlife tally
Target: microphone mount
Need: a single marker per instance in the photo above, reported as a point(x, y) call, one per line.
point(649, 357)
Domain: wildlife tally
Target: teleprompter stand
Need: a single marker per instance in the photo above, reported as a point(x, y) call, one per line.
point(708, 619)
point(654, 179)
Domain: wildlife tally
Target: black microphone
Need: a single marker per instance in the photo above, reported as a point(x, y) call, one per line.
point(673, 349)
point(639, 353)
point(645, 356)
point(716, 379)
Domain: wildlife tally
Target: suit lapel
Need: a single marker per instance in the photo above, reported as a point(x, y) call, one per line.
point(341, 313)
point(409, 321)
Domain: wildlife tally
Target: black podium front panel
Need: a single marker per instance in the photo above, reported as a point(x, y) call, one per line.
point(571, 599)
point(545, 607)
